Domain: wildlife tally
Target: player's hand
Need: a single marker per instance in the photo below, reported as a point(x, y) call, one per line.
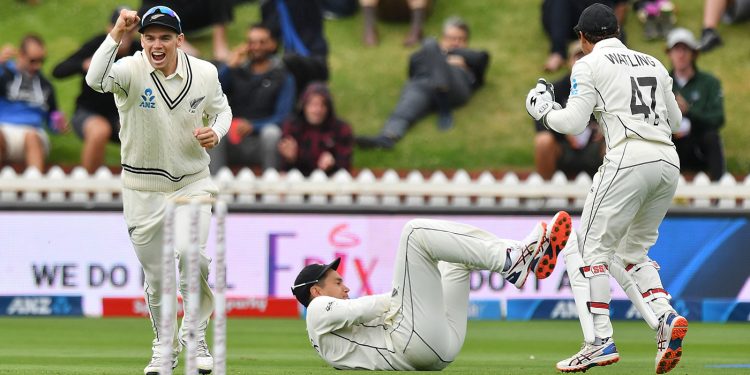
point(541, 100)
point(538, 105)
point(206, 137)
point(126, 23)
point(545, 88)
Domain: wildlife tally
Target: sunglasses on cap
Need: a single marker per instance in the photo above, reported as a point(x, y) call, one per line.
point(303, 284)
point(163, 10)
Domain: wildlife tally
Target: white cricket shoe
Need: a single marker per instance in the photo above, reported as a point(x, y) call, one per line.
point(526, 256)
point(591, 355)
point(204, 361)
point(154, 366)
point(672, 330)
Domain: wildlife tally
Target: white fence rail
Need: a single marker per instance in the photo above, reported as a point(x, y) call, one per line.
point(389, 190)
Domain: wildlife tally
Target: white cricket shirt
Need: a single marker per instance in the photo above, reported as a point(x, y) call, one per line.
point(158, 115)
point(351, 333)
point(629, 92)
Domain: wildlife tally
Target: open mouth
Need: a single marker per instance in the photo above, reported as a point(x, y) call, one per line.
point(158, 56)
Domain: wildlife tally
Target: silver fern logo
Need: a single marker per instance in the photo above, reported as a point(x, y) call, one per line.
point(195, 103)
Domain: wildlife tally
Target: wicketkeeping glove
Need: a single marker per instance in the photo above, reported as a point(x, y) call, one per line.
point(541, 100)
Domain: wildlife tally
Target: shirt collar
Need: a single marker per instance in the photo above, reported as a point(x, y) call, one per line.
point(609, 43)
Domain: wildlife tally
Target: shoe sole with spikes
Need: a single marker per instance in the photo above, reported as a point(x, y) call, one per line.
point(558, 233)
point(673, 353)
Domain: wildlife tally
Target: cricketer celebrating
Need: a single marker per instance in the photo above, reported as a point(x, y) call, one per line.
point(162, 95)
point(421, 324)
point(630, 93)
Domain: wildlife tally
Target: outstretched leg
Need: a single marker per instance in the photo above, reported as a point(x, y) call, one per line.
point(422, 327)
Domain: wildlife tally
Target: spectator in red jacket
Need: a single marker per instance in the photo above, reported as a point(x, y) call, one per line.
point(315, 138)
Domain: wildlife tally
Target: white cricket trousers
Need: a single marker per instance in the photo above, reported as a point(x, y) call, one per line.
point(430, 296)
point(144, 216)
point(628, 200)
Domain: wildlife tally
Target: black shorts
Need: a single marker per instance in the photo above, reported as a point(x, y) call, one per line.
point(588, 159)
point(82, 114)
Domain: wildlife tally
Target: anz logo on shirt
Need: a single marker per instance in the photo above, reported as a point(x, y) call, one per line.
point(573, 87)
point(148, 99)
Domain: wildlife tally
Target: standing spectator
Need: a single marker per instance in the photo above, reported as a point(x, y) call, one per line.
point(300, 26)
point(442, 76)
point(315, 138)
point(702, 105)
point(261, 93)
point(732, 11)
point(95, 120)
point(571, 154)
point(558, 19)
point(27, 103)
point(198, 15)
point(417, 12)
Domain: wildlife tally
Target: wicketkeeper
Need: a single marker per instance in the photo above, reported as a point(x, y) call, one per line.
point(630, 93)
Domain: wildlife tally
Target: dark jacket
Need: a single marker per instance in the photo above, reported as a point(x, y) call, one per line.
point(703, 93)
point(476, 60)
point(96, 102)
point(333, 135)
point(263, 99)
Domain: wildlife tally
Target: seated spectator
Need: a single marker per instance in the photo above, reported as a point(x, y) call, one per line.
point(658, 17)
point(96, 120)
point(261, 93)
point(732, 11)
point(442, 76)
point(390, 9)
point(197, 15)
point(315, 138)
point(558, 19)
point(27, 104)
point(701, 102)
point(571, 154)
point(299, 23)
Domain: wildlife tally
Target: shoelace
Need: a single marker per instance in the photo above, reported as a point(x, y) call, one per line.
point(203, 349)
point(661, 342)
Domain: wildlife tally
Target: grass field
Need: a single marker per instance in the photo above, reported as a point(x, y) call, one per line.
point(493, 132)
point(46, 346)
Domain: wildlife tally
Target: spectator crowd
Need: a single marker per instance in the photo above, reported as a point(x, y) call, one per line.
point(284, 112)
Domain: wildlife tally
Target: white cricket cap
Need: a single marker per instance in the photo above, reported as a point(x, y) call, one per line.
point(681, 35)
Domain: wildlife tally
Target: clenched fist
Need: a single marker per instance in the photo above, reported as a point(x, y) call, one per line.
point(206, 137)
point(126, 23)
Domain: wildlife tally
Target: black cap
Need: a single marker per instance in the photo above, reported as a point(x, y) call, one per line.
point(309, 276)
point(163, 16)
point(598, 19)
